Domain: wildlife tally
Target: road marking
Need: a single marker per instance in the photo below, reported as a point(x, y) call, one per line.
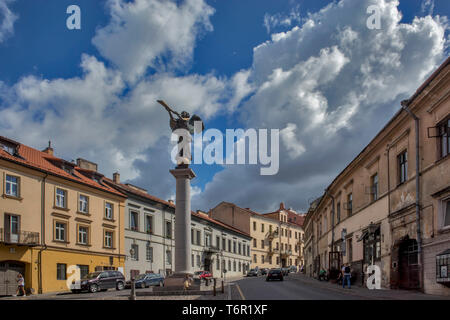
point(240, 292)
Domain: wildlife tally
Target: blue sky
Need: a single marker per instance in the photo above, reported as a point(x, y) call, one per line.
point(40, 50)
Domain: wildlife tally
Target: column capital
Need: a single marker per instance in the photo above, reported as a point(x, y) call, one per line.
point(183, 173)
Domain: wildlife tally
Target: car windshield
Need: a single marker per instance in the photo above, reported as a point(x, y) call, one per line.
point(252, 270)
point(93, 275)
point(198, 272)
point(274, 271)
point(140, 277)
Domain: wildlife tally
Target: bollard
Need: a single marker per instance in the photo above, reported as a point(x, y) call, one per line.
point(133, 290)
point(223, 289)
point(214, 289)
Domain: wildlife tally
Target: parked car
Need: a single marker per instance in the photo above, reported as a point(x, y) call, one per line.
point(202, 275)
point(285, 271)
point(293, 269)
point(147, 280)
point(102, 280)
point(264, 271)
point(253, 273)
point(275, 274)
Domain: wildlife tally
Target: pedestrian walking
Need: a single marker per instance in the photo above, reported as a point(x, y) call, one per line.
point(346, 275)
point(20, 286)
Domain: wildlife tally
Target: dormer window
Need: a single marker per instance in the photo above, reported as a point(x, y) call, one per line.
point(11, 150)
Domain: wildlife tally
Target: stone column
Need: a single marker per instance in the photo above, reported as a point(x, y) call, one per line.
point(183, 178)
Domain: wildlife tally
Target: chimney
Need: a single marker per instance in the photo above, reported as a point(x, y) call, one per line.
point(116, 177)
point(86, 164)
point(49, 149)
point(281, 206)
point(171, 201)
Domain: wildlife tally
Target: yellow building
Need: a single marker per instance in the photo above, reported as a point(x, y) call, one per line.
point(55, 215)
point(277, 237)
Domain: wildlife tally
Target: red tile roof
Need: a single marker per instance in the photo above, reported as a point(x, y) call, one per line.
point(42, 161)
point(134, 191)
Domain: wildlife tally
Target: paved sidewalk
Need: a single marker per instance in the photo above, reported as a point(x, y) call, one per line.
point(362, 292)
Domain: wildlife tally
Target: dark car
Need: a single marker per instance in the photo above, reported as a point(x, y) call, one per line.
point(275, 274)
point(147, 280)
point(253, 273)
point(102, 280)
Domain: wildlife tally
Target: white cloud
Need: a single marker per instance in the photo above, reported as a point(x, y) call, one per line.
point(281, 20)
point(330, 85)
point(7, 19)
point(427, 6)
point(152, 34)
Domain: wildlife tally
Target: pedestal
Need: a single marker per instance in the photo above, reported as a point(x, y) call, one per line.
point(183, 266)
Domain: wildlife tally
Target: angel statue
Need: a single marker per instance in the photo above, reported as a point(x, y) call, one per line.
point(186, 122)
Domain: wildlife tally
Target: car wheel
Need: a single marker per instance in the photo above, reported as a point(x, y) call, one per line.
point(120, 285)
point(93, 288)
point(161, 284)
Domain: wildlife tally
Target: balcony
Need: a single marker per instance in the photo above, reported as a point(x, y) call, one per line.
point(271, 235)
point(19, 238)
point(272, 251)
point(286, 253)
point(211, 249)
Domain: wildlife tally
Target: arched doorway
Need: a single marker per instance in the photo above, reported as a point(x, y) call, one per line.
point(8, 276)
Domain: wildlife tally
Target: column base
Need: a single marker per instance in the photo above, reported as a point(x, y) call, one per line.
point(176, 281)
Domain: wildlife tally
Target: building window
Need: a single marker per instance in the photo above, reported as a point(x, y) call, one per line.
point(61, 271)
point(108, 239)
point(234, 246)
point(229, 265)
point(149, 224)
point(61, 196)
point(83, 235)
point(447, 214)
point(108, 210)
point(234, 266)
point(262, 244)
point(229, 245)
point(350, 249)
point(262, 227)
point(248, 250)
point(12, 186)
point(255, 258)
point(168, 229)
point(60, 231)
point(262, 259)
point(134, 253)
point(84, 271)
point(199, 238)
point(254, 243)
point(83, 202)
point(192, 260)
point(444, 138)
point(198, 261)
point(240, 248)
point(254, 225)
point(149, 253)
point(224, 243)
point(374, 187)
point(402, 160)
point(217, 242)
point(239, 266)
point(207, 239)
point(350, 204)
point(134, 220)
point(338, 212)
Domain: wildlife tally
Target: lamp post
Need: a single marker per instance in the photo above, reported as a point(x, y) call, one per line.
point(133, 284)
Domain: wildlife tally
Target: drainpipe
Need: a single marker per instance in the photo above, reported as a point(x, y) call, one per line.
point(405, 107)
point(44, 246)
point(327, 192)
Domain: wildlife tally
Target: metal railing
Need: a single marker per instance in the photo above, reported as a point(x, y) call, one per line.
point(211, 248)
point(20, 237)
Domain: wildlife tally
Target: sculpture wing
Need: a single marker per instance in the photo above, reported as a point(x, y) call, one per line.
point(192, 121)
